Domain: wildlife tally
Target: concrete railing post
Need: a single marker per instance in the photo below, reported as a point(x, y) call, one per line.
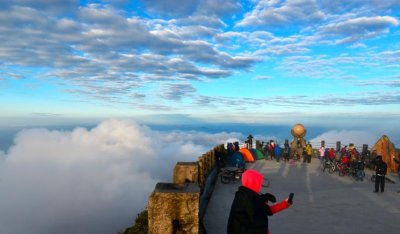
point(338, 145)
point(186, 172)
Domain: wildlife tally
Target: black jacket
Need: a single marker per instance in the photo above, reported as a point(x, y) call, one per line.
point(249, 213)
point(381, 168)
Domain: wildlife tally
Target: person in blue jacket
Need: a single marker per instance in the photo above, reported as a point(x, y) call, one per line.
point(278, 152)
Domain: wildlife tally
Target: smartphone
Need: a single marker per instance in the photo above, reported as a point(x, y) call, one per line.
point(291, 195)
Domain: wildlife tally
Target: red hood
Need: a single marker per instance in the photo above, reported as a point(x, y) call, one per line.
point(252, 179)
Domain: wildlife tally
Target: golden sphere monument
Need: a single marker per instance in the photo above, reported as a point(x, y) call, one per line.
point(298, 132)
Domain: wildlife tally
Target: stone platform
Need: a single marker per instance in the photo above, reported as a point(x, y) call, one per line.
point(323, 203)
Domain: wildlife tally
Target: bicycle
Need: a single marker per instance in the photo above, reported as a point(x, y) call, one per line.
point(229, 174)
point(331, 165)
point(343, 169)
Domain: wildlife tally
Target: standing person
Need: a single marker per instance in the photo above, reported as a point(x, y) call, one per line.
point(286, 151)
point(278, 152)
point(359, 166)
point(331, 154)
point(250, 210)
point(266, 149)
point(343, 151)
point(380, 173)
point(272, 148)
point(321, 153)
point(309, 152)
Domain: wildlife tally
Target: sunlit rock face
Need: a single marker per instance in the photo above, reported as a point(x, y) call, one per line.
point(387, 149)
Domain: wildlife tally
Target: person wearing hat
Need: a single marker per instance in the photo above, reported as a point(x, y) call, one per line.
point(250, 209)
point(380, 173)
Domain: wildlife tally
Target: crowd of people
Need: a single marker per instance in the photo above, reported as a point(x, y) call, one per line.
point(250, 208)
point(348, 160)
point(274, 151)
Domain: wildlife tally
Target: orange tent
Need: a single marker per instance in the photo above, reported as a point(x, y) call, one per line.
point(248, 157)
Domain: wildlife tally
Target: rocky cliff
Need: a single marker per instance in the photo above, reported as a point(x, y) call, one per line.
point(387, 149)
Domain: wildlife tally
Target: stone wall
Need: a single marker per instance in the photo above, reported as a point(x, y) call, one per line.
point(186, 172)
point(175, 207)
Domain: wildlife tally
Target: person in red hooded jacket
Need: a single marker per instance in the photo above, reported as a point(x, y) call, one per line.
point(331, 154)
point(250, 209)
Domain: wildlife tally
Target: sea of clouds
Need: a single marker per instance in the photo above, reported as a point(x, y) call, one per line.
point(90, 180)
point(356, 137)
point(97, 180)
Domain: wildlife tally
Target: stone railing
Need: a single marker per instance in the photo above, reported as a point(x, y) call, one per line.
point(179, 207)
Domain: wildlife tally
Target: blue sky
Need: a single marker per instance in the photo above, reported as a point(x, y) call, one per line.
point(170, 61)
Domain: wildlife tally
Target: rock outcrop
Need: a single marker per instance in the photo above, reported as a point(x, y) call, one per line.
point(387, 149)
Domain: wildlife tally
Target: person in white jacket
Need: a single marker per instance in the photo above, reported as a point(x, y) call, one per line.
point(321, 152)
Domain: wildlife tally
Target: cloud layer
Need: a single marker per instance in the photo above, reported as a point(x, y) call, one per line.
point(89, 181)
point(357, 137)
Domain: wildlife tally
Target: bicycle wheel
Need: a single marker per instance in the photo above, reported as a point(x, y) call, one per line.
point(332, 169)
point(341, 170)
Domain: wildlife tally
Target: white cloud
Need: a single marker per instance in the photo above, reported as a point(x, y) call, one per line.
point(356, 29)
point(94, 45)
point(179, 8)
point(274, 13)
point(262, 77)
point(89, 181)
point(358, 138)
point(177, 91)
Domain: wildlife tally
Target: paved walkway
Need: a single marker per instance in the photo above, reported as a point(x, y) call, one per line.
point(323, 202)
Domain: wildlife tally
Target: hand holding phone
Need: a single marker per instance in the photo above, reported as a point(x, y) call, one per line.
point(290, 200)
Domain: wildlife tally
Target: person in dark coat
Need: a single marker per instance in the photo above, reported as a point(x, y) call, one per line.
point(286, 151)
point(380, 173)
point(272, 148)
point(250, 210)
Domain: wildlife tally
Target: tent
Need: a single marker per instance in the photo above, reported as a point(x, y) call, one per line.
point(237, 160)
point(248, 157)
point(257, 154)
